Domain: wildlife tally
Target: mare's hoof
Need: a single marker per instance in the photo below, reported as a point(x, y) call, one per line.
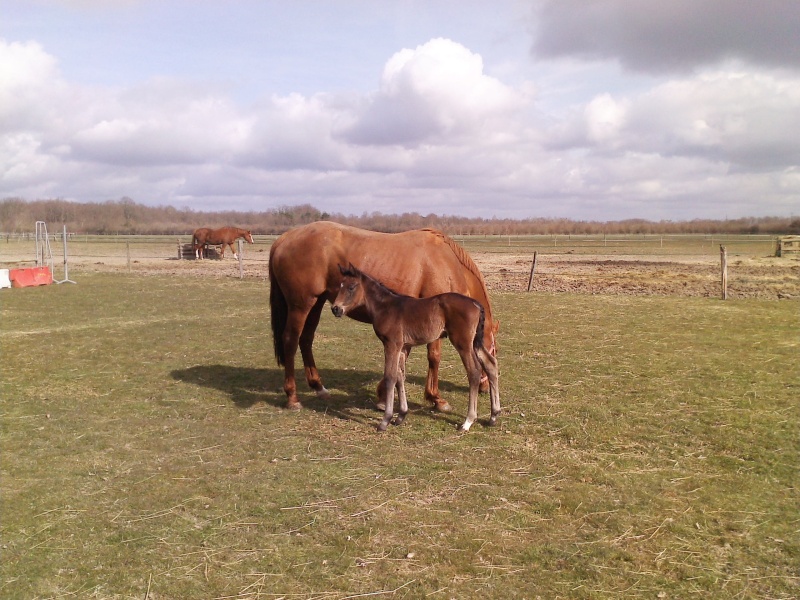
point(294, 405)
point(442, 406)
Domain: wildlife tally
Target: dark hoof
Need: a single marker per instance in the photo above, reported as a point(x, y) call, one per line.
point(381, 426)
point(492, 421)
point(399, 420)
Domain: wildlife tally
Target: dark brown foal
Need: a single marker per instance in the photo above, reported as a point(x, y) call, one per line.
point(401, 322)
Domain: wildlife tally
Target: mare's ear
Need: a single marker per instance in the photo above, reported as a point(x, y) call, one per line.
point(352, 269)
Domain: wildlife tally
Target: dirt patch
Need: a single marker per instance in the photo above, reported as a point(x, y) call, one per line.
point(769, 278)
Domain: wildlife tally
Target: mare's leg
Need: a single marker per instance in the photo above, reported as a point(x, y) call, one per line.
point(432, 382)
point(401, 387)
point(306, 341)
point(489, 365)
point(295, 323)
point(235, 254)
point(390, 367)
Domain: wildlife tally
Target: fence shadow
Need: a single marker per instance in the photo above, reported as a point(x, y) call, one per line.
point(352, 391)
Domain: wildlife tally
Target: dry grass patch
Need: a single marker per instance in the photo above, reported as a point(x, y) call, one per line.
point(648, 448)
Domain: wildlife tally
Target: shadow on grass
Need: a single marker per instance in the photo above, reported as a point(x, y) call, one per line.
point(352, 391)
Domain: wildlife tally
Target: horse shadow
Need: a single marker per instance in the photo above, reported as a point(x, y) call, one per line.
point(352, 390)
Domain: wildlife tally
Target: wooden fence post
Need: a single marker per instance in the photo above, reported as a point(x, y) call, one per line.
point(240, 245)
point(533, 268)
point(128, 252)
point(723, 256)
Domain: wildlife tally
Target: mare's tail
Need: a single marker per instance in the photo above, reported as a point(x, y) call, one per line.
point(279, 313)
point(477, 341)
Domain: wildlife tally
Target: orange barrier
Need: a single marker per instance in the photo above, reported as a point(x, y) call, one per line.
point(31, 276)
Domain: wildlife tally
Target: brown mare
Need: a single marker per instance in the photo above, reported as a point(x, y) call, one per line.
point(401, 322)
point(218, 237)
point(304, 274)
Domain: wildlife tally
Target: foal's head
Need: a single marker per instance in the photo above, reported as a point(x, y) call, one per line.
point(351, 292)
point(248, 237)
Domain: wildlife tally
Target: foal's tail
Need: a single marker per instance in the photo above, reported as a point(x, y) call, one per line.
point(279, 314)
point(477, 341)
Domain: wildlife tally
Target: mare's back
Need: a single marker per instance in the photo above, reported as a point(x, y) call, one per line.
point(416, 263)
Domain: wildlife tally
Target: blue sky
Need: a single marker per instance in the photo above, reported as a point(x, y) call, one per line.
point(584, 109)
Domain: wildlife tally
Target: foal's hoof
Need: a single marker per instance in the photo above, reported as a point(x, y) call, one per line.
point(381, 406)
point(323, 394)
point(442, 406)
point(293, 405)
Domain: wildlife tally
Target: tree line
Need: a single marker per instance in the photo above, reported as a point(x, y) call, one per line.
point(125, 216)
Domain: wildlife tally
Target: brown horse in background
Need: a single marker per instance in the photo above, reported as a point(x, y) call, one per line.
point(304, 274)
point(218, 237)
point(199, 241)
point(402, 322)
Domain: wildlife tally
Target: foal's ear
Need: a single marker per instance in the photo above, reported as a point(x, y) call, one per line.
point(342, 270)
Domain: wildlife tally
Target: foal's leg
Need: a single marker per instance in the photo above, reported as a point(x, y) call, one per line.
point(391, 359)
point(489, 365)
point(401, 387)
point(463, 343)
point(381, 394)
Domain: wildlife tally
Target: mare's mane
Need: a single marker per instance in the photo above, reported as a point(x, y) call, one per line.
point(462, 256)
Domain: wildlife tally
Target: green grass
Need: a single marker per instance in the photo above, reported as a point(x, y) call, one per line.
point(648, 448)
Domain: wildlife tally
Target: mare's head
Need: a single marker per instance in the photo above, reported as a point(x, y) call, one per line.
point(351, 291)
point(248, 237)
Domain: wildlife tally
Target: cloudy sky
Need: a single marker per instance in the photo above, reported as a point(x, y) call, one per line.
point(584, 109)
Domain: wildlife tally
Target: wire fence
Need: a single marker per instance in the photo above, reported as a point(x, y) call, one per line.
point(641, 264)
point(633, 245)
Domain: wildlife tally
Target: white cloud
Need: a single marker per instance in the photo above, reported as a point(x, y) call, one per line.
point(433, 93)
point(28, 75)
point(746, 119)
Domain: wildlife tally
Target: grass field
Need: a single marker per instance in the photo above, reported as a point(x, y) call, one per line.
point(648, 448)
